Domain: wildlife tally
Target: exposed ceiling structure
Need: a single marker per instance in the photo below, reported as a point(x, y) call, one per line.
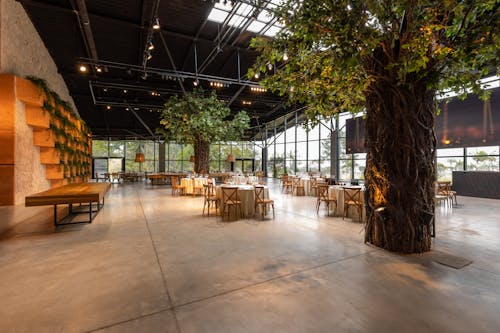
point(132, 68)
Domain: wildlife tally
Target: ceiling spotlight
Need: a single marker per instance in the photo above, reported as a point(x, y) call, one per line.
point(150, 46)
point(83, 68)
point(257, 75)
point(258, 89)
point(105, 89)
point(270, 66)
point(196, 83)
point(108, 107)
point(144, 76)
point(127, 109)
point(124, 91)
point(156, 23)
point(148, 55)
point(285, 57)
point(246, 102)
point(98, 69)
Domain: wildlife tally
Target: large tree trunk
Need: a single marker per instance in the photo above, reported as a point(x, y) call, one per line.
point(201, 157)
point(400, 165)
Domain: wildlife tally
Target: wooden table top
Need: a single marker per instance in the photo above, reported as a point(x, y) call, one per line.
point(71, 193)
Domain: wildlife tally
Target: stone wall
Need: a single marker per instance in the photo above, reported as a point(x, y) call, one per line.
point(23, 53)
point(29, 173)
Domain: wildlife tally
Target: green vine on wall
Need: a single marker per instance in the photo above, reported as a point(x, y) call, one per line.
point(71, 141)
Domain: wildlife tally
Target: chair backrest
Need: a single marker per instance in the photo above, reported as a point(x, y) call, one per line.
point(296, 182)
point(443, 188)
point(314, 182)
point(208, 190)
point(353, 195)
point(175, 181)
point(322, 191)
point(229, 194)
point(259, 193)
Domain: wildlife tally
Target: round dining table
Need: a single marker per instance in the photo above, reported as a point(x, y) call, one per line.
point(246, 195)
point(190, 183)
point(338, 192)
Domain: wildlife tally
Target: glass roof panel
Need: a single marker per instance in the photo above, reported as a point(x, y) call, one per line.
point(217, 15)
point(221, 11)
point(256, 26)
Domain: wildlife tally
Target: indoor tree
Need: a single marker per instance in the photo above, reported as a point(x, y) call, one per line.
point(200, 119)
point(388, 59)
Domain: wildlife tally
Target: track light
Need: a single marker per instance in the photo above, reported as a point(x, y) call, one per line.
point(269, 66)
point(257, 75)
point(196, 83)
point(83, 68)
point(108, 107)
point(148, 55)
point(258, 89)
point(156, 23)
point(98, 69)
point(150, 46)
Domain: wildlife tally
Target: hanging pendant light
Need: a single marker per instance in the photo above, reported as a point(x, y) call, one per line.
point(139, 154)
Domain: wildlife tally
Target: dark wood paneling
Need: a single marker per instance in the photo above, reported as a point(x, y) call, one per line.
point(482, 184)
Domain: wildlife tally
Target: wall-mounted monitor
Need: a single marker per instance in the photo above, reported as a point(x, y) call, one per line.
point(469, 123)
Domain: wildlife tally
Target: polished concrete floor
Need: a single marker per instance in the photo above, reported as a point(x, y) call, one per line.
point(151, 262)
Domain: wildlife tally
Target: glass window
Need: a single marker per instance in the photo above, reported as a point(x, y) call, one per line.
point(483, 158)
point(313, 153)
point(301, 133)
point(313, 165)
point(450, 152)
point(116, 148)
point(446, 165)
point(290, 133)
point(99, 148)
point(359, 168)
point(301, 166)
point(313, 134)
point(301, 150)
point(345, 170)
point(280, 151)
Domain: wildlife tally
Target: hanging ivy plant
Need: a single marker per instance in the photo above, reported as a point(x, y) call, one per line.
point(72, 141)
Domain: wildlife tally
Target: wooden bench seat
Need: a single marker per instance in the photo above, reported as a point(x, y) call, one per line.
point(71, 194)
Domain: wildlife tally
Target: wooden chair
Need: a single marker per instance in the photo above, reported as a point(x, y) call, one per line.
point(283, 178)
point(176, 188)
point(230, 200)
point(287, 186)
point(314, 186)
point(443, 193)
point(209, 198)
point(324, 196)
point(297, 187)
point(352, 197)
point(260, 200)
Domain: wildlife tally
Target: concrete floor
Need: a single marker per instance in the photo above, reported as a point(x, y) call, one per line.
point(151, 263)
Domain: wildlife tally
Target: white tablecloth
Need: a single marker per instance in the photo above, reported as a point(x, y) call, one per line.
point(338, 191)
point(188, 183)
point(243, 180)
point(247, 197)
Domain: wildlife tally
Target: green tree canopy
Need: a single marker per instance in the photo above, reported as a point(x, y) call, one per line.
point(197, 116)
point(200, 119)
point(334, 46)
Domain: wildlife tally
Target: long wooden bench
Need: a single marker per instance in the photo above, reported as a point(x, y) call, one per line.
point(71, 194)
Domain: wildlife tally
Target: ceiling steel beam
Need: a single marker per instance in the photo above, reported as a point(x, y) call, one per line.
point(40, 4)
point(173, 74)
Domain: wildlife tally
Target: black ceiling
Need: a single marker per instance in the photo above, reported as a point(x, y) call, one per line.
point(112, 35)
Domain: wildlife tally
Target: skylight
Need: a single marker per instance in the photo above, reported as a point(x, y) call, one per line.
point(257, 20)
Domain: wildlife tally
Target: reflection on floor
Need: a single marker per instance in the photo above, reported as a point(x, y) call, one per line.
point(151, 262)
